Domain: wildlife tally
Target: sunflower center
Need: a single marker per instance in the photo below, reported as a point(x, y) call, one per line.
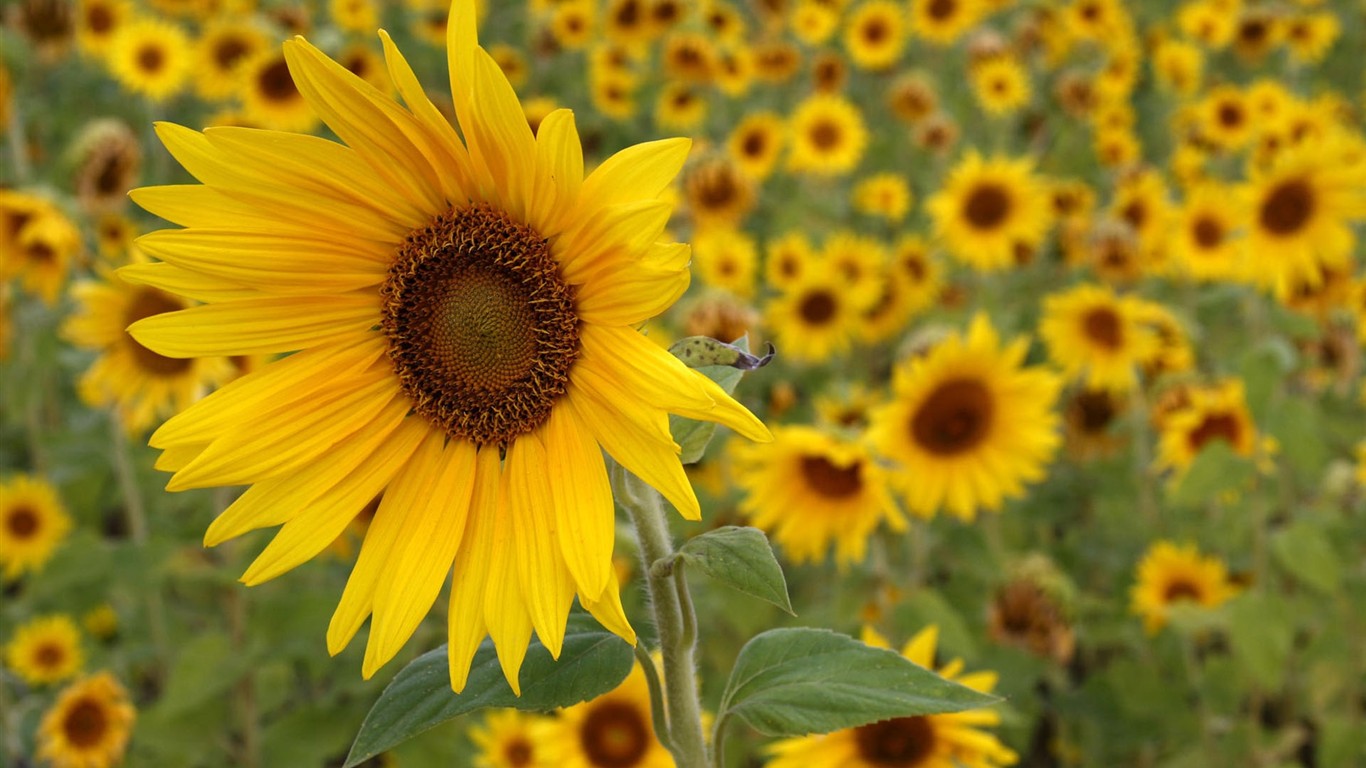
point(955, 417)
point(987, 206)
point(1215, 425)
point(481, 326)
point(1230, 115)
point(85, 724)
point(518, 753)
point(49, 655)
point(1095, 410)
point(1207, 232)
point(151, 58)
point(1103, 327)
point(614, 736)
point(1288, 208)
point(817, 307)
point(22, 522)
point(149, 302)
point(830, 480)
point(229, 51)
point(753, 145)
point(98, 19)
point(276, 84)
point(825, 135)
point(1181, 590)
point(942, 9)
point(901, 742)
point(875, 31)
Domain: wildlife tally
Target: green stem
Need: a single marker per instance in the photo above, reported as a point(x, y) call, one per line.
point(657, 717)
point(669, 600)
point(135, 513)
point(1196, 682)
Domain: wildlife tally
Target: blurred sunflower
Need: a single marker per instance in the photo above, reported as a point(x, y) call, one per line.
point(826, 137)
point(1217, 412)
point(726, 258)
point(812, 491)
point(755, 143)
point(225, 44)
point(954, 740)
point(270, 97)
point(717, 193)
point(97, 23)
point(875, 34)
point(1000, 85)
point(33, 523)
point(508, 738)
point(987, 208)
point(612, 731)
point(785, 259)
point(1097, 337)
point(45, 650)
point(109, 162)
point(860, 262)
point(462, 316)
point(1090, 416)
point(813, 21)
point(884, 194)
point(921, 272)
point(39, 242)
point(968, 424)
point(88, 726)
point(1224, 118)
point(1206, 238)
point(815, 317)
point(1170, 575)
point(151, 57)
point(680, 106)
point(353, 15)
point(943, 21)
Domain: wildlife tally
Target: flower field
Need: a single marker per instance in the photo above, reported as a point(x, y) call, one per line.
point(637, 383)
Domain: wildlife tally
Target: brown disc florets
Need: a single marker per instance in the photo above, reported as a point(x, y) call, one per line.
point(481, 326)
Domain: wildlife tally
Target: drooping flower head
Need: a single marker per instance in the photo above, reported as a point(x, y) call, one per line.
point(462, 316)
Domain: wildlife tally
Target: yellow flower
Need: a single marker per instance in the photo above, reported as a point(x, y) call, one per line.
point(726, 258)
point(353, 15)
point(511, 739)
point(1000, 85)
point(151, 57)
point(968, 424)
point(463, 320)
point(718, 193)
point(1310, 36)
point(827, 136)
point(612, 731)
point(88, 726)
point(811, 490)
point(1217, 412)
point(33, 523)
point(954, 740)
point(943, 21)
point(756, 142)
point(98, 21)
point(815, 317)
point(814, 21)
point(1097, 337)
point(883, 194)
point(987, 209)
point(45, 650)
point(921, 272)
point(39, 243)
point(786, 258)
point(270, 97)
point(680, 107)
point(101, 621)
point(1179, 66)
point(874, 35)
point(1206, 238)
point(1172, 575)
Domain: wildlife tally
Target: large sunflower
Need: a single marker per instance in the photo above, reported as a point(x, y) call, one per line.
point(812, 490)
point(32, 523)
point(968, 425)
point(463, 319)
point(987, 209)
point(1170, 575)
point(925, 741)
point(88, 726)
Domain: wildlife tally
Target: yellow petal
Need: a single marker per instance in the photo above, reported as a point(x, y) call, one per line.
point(641, 367)
point(317, 526)
point(184, 282)
point(559, 173)
point(430, 514)
point(451, 158)
point(462, 36)
point(584, 513)
point(195, 205)
point(616, 234)
point(728, 411)
point(639, 172)
point(920, 648)
point(608, 611)
point(502, 149)
point(505, 610)
point(257, 326)
point(272, 264)
point(546, 584)
point(466, 625)
point(631, 292)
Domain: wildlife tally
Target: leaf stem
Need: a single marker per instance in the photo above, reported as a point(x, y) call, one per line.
point(657, 716)
point(135, 513)
point(669, 599)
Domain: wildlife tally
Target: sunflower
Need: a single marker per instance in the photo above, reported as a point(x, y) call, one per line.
point(812, 491)
point(45, 650)
point(943, 21)
point(1090, 417)
point(776, 62)
point(1141, 203)
point(875, 34)
point(726, 258)
point(511, 739)
point(142, 386)
point(33, 523)
point(860, 262)
point(152, 58)
point(612, 731)
point(572, 24)
point(785, 259)
point(1206, 238)
point(1309, 36)
point(270, 96)
point(968, 424)
point(717, 193)
point(88, 726)
point(1300, 217)
point(827, 136)
point(1034, 610)
point(39, 242)
point(1217, 412)
point(954, 740)
point(755, 143)
point(614, 95)
point(98, 21)
point(1000, 85)
point(919, 270)
point(628, 23)
point(353, 15)
point(225, 44)
point(986, 208)
point(1171, 575)
point(463, 319)
point(1179, 66)
point(114, 235)
point(102, 622)
point(883, 194)
point(828, 72)
point(1097, 337)
point(680, 106)
point(815, 317)
point(734, 71)
point(109, 161)
point(361, 60)
point(1174, 352)
point(1224, 119)
point(912, 97)
point(813, 21)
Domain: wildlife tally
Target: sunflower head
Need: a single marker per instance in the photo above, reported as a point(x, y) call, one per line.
point(45, 650)
point(1171, 575)
point(89, 725)
point(33, 523)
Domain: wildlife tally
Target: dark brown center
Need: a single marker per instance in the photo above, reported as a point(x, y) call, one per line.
point(901, 742)
point(146, 303)
point(817, 307)
point(275, 83)
point(151, 59)
point(753, 144)
point(99, 19)
point(1230, 115)
point(85, 724)
point(482, 327)
point(49, 655)
point(1287, 208)
point(228, 51)
point(614, 735)
point(987, 206)
point(22, 522)
point(829, 480)
point(1103, 327)
point(1208, 232)
point(519, 753)
point(1181, 590)
point(1093, 411)
point(940, 10)
point(1221, 426)
point(955, 418)
point(825, 135)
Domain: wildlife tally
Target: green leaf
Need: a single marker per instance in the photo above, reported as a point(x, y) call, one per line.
point(1298, 425)
point(1261, 369)
point(724, 364)
point(1304, 551)
point(592, 662)
point(742, 559)
point(1216, 469)
point(792, 682)
point(1262, 633)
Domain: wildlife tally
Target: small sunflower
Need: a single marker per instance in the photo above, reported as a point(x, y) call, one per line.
point(968, 424)
point(109, 158)
point(875, 34)
point(988, 208)
point(1309, 36)
point(270, 97)
point(152, 58)
point(912, 97)
point(1179, 66)
point(887, 195)
point(1034, 610)
point(572, 25)
point(33, 523)
point(39, 243)
point(954, 740)
point(785, 259)
point(726, 258)
point(1225, 119)
point(88, 726)
point(813, 22)
point(1217, 412)
point(1206, 240)
point(860, 262)
point(776, 62)
point(612, 731)
point(1000, 85)
point(1171, 574)
point(815, 317)
point(225, 44)
point(813, 491)
point(756, 142)
point(97, 23)
point(943, 21)
point(827, 136)
point(680, 106)
point(508, 738)
point(353, 15)
point(1097, 337)
point(45, 650)
point(919, 270)
point(718, 193)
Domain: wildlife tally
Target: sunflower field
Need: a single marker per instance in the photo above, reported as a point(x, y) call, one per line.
point(641, 383)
